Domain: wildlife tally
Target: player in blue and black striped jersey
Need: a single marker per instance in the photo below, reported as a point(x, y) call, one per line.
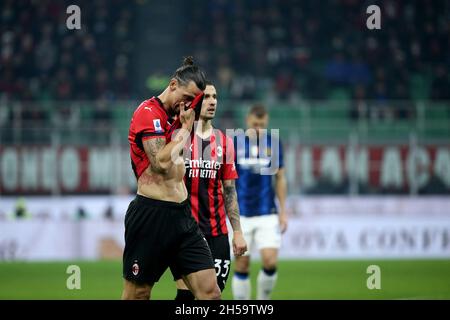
point(261, 180)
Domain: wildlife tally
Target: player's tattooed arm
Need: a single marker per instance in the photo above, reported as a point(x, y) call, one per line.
point(161, 155)
point(152, 149)
point(232, 208)
point(231, 204)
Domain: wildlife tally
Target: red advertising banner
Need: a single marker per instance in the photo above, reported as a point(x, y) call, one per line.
point(73, 169)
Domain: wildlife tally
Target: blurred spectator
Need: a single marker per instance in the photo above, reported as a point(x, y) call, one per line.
point(284, 85)
point(440, 87)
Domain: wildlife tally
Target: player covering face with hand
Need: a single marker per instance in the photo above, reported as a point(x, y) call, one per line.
point(210, 181)
point(159, 228)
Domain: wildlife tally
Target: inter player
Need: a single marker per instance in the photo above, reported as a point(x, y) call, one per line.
point(159, 228)
point(262, 222)
point(210, 180)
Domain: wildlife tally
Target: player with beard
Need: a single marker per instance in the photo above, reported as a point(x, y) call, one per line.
point(159, 228)
point(210, 180)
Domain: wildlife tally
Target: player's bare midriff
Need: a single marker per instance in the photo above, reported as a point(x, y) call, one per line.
point(166, 187)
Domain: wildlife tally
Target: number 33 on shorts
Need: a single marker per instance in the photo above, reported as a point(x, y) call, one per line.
point(219, 266)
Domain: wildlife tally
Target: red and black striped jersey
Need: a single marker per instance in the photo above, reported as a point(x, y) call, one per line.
point(150, 120)
point(208, 162)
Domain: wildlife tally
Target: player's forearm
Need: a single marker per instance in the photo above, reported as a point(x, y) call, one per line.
point(166, 156)
point(232, 207)
point(281, 191)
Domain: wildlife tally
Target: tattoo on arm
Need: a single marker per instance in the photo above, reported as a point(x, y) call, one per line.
point(231, 204)
point(152, 147)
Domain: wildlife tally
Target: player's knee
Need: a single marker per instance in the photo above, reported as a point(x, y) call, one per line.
point(210, 293)
point(242, 264)
point(142, 294)
point(215, 293)
point(126, 295)
point(269, 262)
point(132, 291)
point(138, 294)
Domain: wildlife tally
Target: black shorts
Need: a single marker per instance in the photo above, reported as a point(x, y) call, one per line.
point(159, 234)
point(220, 249)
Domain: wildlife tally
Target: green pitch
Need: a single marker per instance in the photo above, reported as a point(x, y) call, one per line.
point(400, 279)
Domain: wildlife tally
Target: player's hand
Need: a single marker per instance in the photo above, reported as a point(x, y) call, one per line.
point(283, 219)
point(239, 244)
point(187, 117)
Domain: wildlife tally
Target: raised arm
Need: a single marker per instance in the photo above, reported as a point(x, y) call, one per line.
point(161, 155)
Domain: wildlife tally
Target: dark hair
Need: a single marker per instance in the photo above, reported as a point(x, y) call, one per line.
point(209, 83)
point(190, 72)
point(258, 110)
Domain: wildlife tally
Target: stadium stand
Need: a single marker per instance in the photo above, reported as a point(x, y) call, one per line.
point(323, 80)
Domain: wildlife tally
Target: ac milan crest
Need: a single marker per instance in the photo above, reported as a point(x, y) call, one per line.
point(135, 269)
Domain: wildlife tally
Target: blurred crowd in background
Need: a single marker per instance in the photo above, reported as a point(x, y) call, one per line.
point(306, 47)
point(282, 50)
point(323, 75)
point(323, 50)
point(42, 60)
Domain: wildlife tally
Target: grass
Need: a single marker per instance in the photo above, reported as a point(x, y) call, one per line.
point(312, 279)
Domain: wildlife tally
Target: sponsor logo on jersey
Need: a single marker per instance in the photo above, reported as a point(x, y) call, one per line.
point(202, 163)
point(201, 168)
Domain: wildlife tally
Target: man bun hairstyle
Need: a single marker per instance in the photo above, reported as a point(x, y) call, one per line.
point(190, 72)
point(188, 61)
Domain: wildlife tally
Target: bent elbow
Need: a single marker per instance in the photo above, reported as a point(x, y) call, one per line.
point(161, 167)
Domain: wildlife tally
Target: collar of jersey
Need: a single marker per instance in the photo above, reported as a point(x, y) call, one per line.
point(208, 137)
point(161, 105)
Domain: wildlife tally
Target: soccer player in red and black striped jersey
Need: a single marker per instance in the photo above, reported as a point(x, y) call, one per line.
point(159, 228)
point(210, 180)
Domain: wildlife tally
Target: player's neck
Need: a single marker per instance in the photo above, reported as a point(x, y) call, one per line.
point(165, 99)
point(204, 128)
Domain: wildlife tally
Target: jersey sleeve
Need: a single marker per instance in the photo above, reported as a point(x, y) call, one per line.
point(229, 168)
point(149, 124)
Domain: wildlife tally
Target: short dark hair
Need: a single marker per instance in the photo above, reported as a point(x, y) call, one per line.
point(190, 72)
point(258, 110)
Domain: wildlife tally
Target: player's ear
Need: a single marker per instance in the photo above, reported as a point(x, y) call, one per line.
point(173, 84)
